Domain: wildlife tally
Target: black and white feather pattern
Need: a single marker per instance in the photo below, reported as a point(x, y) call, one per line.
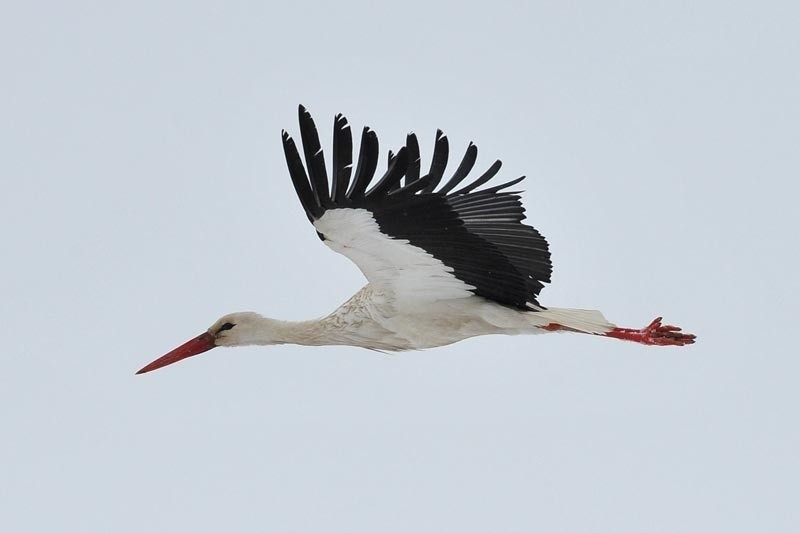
point(477, 234)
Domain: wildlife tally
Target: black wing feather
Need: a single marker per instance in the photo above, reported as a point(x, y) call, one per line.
point(463, 169)
point(315, 161)
point(413, 188)
point(486, 176)
point(367, 163)
point(396, 184)
point(299, 178)
point(390, 180)
point(342, 159)
point(441, 150)
point(412, 147)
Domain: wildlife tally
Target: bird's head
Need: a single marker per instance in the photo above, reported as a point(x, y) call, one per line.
point(236, 329)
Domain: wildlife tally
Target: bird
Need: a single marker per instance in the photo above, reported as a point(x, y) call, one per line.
point(444, 259)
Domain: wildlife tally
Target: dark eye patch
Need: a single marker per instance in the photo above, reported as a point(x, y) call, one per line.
point(226, 326)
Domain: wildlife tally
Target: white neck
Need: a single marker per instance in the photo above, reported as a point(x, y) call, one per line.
point(252, 328)
point(306, 332)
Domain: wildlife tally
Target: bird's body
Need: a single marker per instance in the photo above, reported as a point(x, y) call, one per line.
point(443, 263)
point(371, 319)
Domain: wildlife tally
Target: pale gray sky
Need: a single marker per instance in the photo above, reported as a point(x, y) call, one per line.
point(144, 195)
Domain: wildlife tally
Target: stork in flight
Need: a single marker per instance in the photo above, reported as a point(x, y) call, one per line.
point(443, 262)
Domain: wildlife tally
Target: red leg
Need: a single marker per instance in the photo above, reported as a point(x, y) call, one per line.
point(654, 334)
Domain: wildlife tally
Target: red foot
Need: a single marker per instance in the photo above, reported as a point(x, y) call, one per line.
point(655, 334)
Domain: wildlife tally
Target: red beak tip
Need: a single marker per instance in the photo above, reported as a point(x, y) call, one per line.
point(201, 343)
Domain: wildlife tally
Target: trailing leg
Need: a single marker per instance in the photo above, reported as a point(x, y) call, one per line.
point(593, 323)
point(654, 334)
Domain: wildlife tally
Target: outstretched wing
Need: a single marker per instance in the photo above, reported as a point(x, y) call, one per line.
point(407, 233)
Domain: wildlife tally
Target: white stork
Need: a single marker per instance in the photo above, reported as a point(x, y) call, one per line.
point(443, 263)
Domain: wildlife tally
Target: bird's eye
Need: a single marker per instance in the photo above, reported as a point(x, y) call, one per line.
point(226, 326)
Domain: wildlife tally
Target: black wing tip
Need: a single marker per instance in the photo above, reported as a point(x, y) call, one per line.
point(511, 183)
point(305, 118)
point(412, 142)
point(411, 149)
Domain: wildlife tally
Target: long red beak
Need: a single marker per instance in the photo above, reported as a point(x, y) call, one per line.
point(202, 343)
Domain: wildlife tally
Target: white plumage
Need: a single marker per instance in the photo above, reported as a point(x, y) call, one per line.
point(441, 265)
point(410, 274)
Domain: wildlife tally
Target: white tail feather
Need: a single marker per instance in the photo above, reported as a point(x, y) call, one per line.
point(584, 320)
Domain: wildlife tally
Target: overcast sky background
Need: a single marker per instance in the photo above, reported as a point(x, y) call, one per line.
point(144, 194)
